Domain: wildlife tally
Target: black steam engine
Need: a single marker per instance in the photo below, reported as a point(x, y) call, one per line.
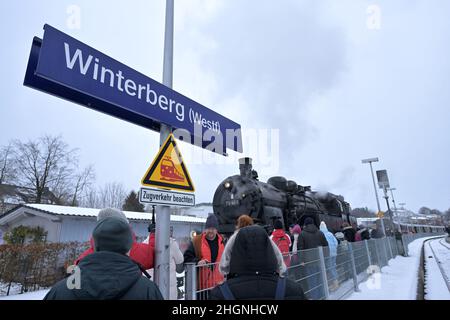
point(277, 199)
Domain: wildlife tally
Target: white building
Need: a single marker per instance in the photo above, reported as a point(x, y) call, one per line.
point(65, 224)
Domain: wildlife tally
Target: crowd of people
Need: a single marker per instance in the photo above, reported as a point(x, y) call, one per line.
point(251, 264)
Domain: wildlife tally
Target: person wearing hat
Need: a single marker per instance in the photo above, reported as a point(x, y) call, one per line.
point(108, 273)
point(242, 222)
point(254, 271)
point(141, 253)
point(310, 238)
point(206, 251)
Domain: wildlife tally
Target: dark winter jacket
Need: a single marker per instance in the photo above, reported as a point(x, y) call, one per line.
point(349, 234)
point(365, 235)
point(107, 276)
point(377, 234)
point(311, 237)
point(253, 267)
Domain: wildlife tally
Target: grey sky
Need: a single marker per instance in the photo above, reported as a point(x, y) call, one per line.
point(337, 90)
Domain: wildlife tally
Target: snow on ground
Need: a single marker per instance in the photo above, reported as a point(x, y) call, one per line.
point(35, 295)
point(398, 281)
point(14, 289)
point(436, 288)
point(14, 292)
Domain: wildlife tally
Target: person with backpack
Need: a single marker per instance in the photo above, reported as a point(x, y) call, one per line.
point(253, 271)
point(242, 222)
point(282, 240)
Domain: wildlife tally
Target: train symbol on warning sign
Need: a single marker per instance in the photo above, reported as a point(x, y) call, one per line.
point(169, 172)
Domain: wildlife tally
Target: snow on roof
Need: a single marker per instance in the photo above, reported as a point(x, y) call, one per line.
point(91, 212)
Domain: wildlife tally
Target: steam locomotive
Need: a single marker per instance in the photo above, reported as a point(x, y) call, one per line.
point(277, 199)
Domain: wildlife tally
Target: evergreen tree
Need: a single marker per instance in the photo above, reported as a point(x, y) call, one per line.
point(132, 203)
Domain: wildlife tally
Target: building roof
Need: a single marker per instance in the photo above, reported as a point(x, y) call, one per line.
point(91, 212)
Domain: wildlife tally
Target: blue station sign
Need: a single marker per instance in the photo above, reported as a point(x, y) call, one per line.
point(65, 67)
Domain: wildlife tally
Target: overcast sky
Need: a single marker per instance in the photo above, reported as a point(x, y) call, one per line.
point(340, 80)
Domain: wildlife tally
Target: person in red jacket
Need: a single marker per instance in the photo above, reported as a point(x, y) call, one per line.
point(141, 253)
point(282, 240)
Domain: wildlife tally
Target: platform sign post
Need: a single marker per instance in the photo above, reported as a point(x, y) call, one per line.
point(162, 232)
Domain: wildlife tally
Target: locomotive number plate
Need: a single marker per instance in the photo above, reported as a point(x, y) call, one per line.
point(232, 202)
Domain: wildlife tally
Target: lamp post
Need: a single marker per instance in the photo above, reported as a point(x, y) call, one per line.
point(369, 161)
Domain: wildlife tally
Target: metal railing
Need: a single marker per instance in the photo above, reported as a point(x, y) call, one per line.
point(323, 275)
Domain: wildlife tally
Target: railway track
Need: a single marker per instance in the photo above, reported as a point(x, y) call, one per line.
point(422, 285)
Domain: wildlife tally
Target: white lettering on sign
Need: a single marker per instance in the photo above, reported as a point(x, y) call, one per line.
point(158, 196)
point(91, 66)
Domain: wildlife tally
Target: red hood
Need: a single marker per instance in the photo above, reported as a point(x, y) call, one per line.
point(278, 233)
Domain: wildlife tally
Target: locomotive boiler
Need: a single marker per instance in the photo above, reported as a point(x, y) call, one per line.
point(278, 198)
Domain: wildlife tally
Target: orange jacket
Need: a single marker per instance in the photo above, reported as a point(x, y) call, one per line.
point(208, 276)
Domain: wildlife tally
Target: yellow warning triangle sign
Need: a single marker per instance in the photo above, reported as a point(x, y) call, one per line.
point(168, 170)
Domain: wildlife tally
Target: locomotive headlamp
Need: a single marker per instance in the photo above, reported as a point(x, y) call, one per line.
point(227, 185)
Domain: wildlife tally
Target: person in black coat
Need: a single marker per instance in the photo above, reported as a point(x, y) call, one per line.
point(348, 232)
point(108, 273)
point(311, 237)
point(364, 232)
point(253, 270)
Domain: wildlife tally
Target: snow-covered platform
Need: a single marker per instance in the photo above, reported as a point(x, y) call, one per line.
point(398, 280)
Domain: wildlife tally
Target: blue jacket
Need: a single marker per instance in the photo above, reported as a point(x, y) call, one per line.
point(331, 239)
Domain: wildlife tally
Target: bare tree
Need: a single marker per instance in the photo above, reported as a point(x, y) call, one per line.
point(112, 195)
point(45, 163)
point(91, 199)
point(82, 183)
point(7, 168)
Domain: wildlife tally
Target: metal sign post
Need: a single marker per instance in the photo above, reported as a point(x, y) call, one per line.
point(162, 235)
point(369, 161)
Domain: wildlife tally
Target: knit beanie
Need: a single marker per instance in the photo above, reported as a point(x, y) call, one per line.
point(112, 234)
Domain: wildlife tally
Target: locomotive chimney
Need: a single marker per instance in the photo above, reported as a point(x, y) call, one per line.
point(245, 167)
